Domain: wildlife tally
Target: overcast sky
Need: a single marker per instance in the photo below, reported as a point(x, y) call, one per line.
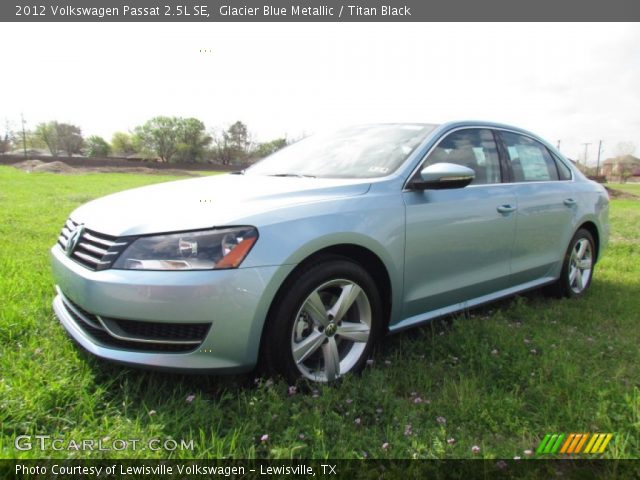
point(574, 82)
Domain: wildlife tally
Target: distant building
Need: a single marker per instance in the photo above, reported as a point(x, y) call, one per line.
point(622, 168)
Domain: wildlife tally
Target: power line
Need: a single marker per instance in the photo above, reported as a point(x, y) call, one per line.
point(599, 152)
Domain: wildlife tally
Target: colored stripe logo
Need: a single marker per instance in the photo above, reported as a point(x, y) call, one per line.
point(574, 443)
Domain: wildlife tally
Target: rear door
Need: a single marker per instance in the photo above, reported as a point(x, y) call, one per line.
point(545, 208)
point(458, 241)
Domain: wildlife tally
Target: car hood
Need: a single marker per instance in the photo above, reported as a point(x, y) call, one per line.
point(206, 202)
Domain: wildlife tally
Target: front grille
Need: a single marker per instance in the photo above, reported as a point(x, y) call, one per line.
point(94, 250)
point(136, 335)
point(166, 331)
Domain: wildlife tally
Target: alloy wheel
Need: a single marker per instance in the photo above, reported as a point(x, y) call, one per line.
point(331, 330)
point(580, 265)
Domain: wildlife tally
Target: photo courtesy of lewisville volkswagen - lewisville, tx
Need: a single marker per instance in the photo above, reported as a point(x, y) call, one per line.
point(301, 262)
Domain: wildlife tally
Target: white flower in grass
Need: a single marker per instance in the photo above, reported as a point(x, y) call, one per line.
point(475, 449)
point(190, 398)
point(264, 438)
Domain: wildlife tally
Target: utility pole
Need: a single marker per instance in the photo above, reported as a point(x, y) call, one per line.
point(558, 146)
point(599, 152)
point(24, 136)
point(586, 146)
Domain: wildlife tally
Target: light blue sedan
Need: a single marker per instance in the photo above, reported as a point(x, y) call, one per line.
point(301, 262)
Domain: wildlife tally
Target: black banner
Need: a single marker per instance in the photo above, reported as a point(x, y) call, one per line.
point(352, 469)
point(317, 11)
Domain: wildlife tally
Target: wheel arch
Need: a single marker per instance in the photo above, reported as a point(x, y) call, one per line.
point(363, 256)
point(592, 228)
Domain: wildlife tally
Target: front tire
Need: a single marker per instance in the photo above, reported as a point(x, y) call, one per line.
point(326, 323)
point(577, 268)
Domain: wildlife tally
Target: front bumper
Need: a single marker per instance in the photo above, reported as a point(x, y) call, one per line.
point(235, 303)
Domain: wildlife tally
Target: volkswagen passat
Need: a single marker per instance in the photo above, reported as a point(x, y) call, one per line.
point(303, 260)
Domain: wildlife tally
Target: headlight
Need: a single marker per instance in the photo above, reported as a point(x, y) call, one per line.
point(200, 250)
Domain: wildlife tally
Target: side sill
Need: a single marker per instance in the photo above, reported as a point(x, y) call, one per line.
point(457, 307)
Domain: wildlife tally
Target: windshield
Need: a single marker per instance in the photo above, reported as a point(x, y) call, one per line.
point(355, 152)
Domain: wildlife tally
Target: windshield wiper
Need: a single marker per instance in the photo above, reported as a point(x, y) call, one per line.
point(292, 175)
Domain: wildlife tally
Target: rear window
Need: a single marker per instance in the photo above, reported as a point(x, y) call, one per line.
point(530, 160)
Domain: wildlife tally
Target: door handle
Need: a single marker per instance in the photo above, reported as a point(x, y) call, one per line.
point(506, 208)
point(569, 202)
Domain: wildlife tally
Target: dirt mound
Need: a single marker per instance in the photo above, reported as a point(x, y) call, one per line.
point(54, 167)
point(28, 165)
point(39, 166)
point(61, 167)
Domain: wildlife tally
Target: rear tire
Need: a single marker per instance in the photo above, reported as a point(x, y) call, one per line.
point(326, 323)
point(577, 267)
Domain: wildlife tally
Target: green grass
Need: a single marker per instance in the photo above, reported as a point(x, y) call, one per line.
point(499, 378)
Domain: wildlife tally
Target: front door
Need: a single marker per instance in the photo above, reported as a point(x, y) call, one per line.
point(458, 241)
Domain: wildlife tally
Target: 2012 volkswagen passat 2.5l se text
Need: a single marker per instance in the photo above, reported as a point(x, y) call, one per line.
point(302, 261)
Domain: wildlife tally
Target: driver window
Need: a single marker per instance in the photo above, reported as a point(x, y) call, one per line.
point(474, 148)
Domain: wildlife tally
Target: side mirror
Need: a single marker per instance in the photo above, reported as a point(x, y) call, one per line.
point(441, 176)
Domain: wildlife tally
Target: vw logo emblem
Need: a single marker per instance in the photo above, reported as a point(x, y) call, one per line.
point(331, 329)
point(73, 239)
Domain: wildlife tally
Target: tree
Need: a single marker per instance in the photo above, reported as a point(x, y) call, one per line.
point(96, 146)
point(7, 139)
point(267, 148)
point(60, 137)
point(238, 141)
point(173, 138)
point(70, 138)
point(47, 133)
point(192, 140)
point(33, 140)
point(625, 174)
point(160, 136)
point(625, 148)
point(233, 144)
point(122, 144)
